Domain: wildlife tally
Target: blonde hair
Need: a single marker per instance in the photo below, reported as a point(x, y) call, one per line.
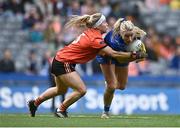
point(83, 21)
point(139, 33)
point(122, 26)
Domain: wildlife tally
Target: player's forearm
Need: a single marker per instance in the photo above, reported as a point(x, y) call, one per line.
point(123, 57)
point(120, 55)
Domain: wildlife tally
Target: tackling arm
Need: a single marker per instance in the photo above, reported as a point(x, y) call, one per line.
point(122, 57)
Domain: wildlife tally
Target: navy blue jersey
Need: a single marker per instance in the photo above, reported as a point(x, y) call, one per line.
point(116, 43)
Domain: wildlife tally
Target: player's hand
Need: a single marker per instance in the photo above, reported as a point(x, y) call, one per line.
point(139, 55)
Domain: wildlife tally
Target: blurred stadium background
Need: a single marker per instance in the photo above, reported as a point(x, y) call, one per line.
point(31, 31)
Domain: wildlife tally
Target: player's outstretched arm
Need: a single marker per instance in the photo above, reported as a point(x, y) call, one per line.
point(122, 56)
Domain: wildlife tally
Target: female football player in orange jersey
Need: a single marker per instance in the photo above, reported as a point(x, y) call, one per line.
point(84, 48)
point(115, 73)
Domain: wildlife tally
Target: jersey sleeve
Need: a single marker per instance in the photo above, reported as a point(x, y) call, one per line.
point(98, 43)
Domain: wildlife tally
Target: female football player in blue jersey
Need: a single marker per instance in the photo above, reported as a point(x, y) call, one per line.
point(116, 73)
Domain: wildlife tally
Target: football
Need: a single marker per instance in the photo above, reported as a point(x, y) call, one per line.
point(136, 45)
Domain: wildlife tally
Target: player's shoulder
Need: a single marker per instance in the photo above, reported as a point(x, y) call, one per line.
point(109, 34)
point(108, 37)
point(93, 34)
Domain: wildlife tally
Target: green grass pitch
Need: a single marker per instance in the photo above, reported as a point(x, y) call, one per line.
point(48, 120)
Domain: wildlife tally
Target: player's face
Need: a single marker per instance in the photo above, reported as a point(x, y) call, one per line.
point(103, 27)
point(128, 37)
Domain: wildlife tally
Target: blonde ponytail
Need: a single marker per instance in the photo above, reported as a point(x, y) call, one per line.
point(117, 26)
point(77, 21)
point(83, 21)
